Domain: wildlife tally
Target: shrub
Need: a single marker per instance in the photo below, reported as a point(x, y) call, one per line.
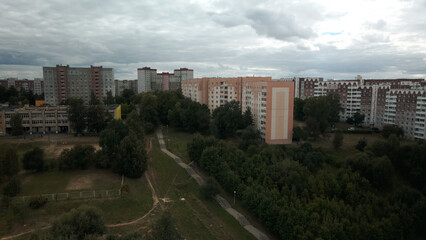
point(37, 202)
point(362, 143)
point(34, 159)
point(125, 189)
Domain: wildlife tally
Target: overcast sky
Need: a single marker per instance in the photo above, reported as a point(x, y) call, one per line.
point(326, 38)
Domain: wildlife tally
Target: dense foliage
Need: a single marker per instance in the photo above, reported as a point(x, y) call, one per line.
point(227, 119)
point(78, 224)
point(318, 112)
point(303, 193)
point(15, 97)
point(123, 147)
point(78, 157)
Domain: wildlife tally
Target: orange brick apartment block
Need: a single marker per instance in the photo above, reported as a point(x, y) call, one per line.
point(270, 101)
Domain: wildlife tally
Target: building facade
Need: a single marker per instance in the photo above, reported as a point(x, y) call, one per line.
point(63, 82)
point(44, 119)
point(36, 86)
point(381, 101)
point(121, 85)
point(270, 101)
point(149, 80)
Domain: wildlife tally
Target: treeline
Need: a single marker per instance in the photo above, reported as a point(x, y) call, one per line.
point(15, 97)
point(302, 193)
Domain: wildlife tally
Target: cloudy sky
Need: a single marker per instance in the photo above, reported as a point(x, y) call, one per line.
point(326, 38)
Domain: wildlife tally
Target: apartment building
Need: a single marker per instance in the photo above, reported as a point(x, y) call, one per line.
point(271, 102)
point(149, 80)
point(36, 85)
point(382, 101)
point(44, 119)
point(120, 85)
point(63, 82)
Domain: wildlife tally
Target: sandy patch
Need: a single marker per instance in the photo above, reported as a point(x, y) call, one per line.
point(79, 182)
point(166, 200)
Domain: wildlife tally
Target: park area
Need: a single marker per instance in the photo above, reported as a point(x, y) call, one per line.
point(164, 186)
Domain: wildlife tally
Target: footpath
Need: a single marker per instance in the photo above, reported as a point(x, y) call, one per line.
point(222, 201)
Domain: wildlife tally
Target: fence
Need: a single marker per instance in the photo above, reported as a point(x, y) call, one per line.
point(72, 195)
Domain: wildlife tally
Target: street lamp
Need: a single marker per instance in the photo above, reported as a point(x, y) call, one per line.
point(234, 196)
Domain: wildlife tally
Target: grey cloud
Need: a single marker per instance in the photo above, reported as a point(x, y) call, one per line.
point(282, 26)
point(379, 25)
point(225, 38)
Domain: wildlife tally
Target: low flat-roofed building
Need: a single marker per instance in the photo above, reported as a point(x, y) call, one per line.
point(44, 119)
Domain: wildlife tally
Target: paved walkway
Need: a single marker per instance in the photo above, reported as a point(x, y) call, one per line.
point(225, 204)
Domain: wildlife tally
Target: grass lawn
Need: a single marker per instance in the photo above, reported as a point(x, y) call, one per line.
point(176, 142)
point(195, 217)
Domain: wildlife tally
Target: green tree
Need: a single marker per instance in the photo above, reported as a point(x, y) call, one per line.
point(93, 99)
point(148, 113)
point(109, 99)
point(132, 161)
point(227, 119)
point(135, 125)
point(362, 143)
point(299, 104)
point(337, 139)
point(34, 160)
point(197, 146)
point(78, 223)
point(247, 118)
point(333, 101)
point(383, 173)
point(249, 136)
point(13, 187)
point(78, 157)
point(16, 125)
point(358, 118)
point(96, 119)
point(164, 228)
point(111, 137)
point(77, 114)
point(299, 134)
point(10, 162)
point(387, 130)
point(13, 101)
point(317, 112)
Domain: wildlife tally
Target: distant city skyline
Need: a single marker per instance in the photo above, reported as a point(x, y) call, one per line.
point(307, 38)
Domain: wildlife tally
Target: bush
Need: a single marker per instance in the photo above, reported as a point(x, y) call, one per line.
point(78, 223)
point(13, 187)
point(34, 160)
point(392, 129)
point(125, 189)
point(362, 143)
point(37, 202)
